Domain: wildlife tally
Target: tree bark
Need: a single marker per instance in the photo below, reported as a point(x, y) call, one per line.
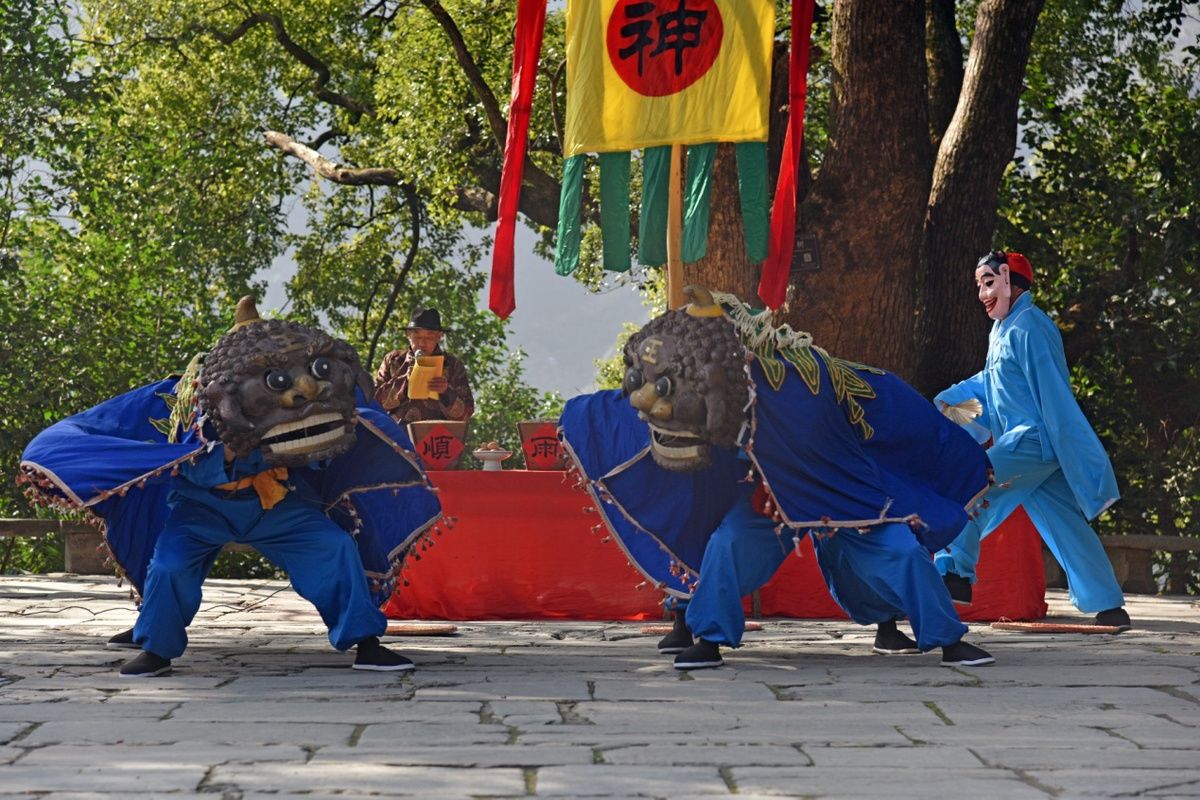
point(867, 203)
point(950, 331)
point(944, 59)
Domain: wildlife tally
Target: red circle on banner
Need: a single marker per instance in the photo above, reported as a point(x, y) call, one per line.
point(660, 47)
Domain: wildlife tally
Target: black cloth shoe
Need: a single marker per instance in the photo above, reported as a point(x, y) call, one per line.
point(679, 639)
point(961, 654)
point(123, 641)
point(891, 642)
point(374, 656)
point(145, 665)
point(959, 588)
point(702, 655)
point(1115, 617)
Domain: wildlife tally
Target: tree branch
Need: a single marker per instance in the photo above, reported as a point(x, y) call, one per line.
point(483, 92)
point(319, 68)
point(539, 202)
point(349, 176)
point(410, 258)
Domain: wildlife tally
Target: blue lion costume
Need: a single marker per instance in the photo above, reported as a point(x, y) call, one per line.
point(268, 440)
point(733, 438)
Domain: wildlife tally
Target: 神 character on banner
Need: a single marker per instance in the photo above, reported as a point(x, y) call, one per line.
point(658, 76)
point(1045, 455)
point(733, 438)
point(268, 440)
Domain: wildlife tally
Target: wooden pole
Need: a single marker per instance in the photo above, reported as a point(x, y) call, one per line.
point(675, 297)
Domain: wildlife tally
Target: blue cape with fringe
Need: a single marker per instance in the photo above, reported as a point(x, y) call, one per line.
point(113, 464)
point(830, 458)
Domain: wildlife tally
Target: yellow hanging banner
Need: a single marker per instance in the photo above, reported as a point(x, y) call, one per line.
point(642, 73)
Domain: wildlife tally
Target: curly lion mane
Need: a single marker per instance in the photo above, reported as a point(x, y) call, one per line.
point(226, 364)
point(713, 362)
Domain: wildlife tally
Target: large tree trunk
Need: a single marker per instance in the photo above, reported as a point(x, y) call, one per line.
point(866, 206)
point(950, 334)
point(904, 203)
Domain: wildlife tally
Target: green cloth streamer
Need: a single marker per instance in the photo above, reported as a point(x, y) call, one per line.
point(652, 226)
point(752, 187)
point(696, 201)
point(566, 253)
point(614, 210)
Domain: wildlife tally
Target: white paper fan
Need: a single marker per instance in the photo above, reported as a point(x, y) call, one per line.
point(964, 412)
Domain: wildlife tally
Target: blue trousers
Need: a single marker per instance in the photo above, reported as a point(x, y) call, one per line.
point(1023, 478)
point(320, 558)
point(884, 574)
point(741, 555)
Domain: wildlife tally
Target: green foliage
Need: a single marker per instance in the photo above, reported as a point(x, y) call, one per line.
point(138, 199)
point(35, 554)
point(1105, 200)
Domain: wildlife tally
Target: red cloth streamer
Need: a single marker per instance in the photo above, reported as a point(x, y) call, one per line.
point(527, 47)
point(772, 285)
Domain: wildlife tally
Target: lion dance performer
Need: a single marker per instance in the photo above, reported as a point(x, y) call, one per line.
point(732, 438)
point(268, 440)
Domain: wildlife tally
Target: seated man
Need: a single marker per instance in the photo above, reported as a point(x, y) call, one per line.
point(261, 442)
point(453, 389)
point(845, 453)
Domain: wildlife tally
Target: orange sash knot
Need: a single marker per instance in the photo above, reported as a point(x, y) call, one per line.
point(267, 484)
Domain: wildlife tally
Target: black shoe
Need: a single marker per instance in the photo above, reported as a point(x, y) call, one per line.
point(959, 588)
point(145, 665)
point(374, 656)
point(891, 642)
point(679, 639)
point(1116, 618)
point(702, 655)
point(961, 654)
point(123, 641)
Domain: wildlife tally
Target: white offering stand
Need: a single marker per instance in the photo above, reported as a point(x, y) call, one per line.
point(491, 458)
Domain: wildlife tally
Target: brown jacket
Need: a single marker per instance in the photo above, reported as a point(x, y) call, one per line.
point(391, 390)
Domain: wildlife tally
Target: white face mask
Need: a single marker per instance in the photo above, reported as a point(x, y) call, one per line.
point(995, 291)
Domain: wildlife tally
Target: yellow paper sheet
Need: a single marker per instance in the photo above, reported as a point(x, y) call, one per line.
point(426, 368)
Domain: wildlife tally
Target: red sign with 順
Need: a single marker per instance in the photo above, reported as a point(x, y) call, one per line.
point(439, 449)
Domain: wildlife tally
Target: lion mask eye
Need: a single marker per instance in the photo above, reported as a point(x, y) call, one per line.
point(277, 380)
point(633, 379)
point(321, 368)
point(662, 386)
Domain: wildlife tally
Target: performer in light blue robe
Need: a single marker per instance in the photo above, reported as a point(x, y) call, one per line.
point(1045, 455)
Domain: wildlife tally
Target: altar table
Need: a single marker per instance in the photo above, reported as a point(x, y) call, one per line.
point(523, 546)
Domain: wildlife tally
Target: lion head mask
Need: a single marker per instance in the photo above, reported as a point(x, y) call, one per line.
point(283, 387)
point(685, 373)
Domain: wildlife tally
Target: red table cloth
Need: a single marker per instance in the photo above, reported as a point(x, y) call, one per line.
point(523, 547)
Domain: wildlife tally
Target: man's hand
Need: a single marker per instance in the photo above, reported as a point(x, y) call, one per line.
point(439, 384)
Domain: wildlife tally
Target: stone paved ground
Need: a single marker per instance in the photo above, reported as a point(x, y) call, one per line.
point(260, 706)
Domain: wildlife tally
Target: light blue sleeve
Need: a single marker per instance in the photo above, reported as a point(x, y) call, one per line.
point(964, 390)
point(972, 387)
point(1066, 434)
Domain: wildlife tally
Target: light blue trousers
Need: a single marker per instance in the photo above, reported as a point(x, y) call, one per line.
point(320, 558)
point(1023, 478)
